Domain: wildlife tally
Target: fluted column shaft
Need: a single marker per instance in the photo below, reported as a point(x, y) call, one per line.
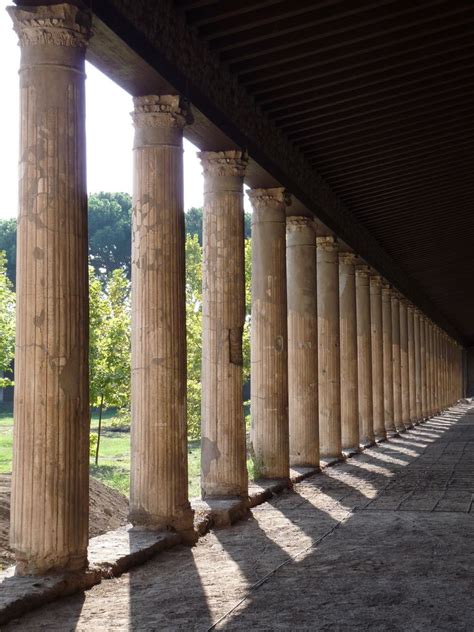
point(348, 347)
point(50, 485)
point(411, 365)
point(416, 322)
point(328, 348)
point(377, 356)
point(223, 444)
point(159, 475)
point(387, 358)
point(429, 381)
point(396, 359)
point(364, 356)
point(302, 342)
point(269, 335)
point(404, 377)
point(423, 365)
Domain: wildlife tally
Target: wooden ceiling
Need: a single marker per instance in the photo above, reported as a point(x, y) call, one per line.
point(379, 98)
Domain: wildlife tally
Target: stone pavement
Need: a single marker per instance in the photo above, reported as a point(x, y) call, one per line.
point(382, 542)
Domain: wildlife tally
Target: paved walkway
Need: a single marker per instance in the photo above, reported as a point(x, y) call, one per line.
point(384, 541)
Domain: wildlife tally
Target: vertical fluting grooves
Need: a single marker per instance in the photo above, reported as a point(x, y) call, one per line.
point(387, 358)
point(424, 407)
point(50, 485)
point(302, 342)
point(404, 364)
point(411, 364)
point(328, 348)
point(159, 480)
point(377, 356)
point(416, 319)
point(348, 351)
point(364, 355)
point(397, 379)
point(269, 335)
point(223, 459)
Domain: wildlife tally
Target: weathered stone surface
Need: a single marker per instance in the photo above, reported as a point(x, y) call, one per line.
point(404, 364)
point(348, 350)
point(302, 342)
point(396, 364)
point(158, 477)
point(223, 459)
point(49, 512)
point(377, 357)
point(329, 386)
point(364, 357)
point(411, 364)
point(269, 334)
point(387, 357)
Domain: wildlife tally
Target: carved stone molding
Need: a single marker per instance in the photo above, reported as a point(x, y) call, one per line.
point(376, 280)
point(363, 271)
point(348, 258)
point(269, 198)
point(52, 25)
point(299, 223)
point(327, 242)
point(224, 163)
point(168, 110)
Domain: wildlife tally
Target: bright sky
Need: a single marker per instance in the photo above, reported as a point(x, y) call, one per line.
point(109, 132)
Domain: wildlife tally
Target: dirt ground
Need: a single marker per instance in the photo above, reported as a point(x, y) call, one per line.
point(383, 542)
point(108, 510)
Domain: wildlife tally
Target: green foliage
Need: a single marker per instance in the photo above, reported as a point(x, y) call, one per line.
point(7, 321)
point(110, 232)
point(193, 335)
point(8, 244)
point(193, 223)
point(109, 343)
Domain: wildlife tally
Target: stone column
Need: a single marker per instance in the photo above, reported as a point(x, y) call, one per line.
point(411, 365)
point(416, 327)
point(302, 342)
point(50, 485)
point(348, 346)
point(377, 357)
point(404, 369)
point(437, 380)
point(423, 366)
point(223, 442)
point(387, 357)
point(364, 357)
point(397, 380)
point(328, 348)
point(269, 334)
point(429, 372)
point(159, 474)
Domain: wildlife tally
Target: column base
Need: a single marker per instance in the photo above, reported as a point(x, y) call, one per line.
point(391, 434)
point(221, 512)
point(329, 461)
point(182, 523)
point(380, 437)
point(347, 453)
point(28, 566)
point(401, 429)
point(367, 443)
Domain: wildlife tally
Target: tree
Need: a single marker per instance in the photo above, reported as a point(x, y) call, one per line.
point(110, 217)
point(193, 332)
point(8, 244)
point(7, 322)
point(109, 343)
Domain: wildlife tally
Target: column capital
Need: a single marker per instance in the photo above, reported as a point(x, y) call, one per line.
point(327, 243)
point(232, 162)
point(299, 223)
point(52, 25)
point(167, 110)
point(376, 280)
point(363, 271)
point(348, 258)
point(386, 288)
point(269, 198)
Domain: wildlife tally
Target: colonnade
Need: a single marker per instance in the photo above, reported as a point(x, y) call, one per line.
point(339, 359)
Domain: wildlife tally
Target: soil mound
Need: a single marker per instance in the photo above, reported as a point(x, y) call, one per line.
point(108, 510)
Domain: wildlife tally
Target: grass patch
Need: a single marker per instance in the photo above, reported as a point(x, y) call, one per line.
point(114, 456)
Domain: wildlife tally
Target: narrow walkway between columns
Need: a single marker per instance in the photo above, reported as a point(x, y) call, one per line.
point(380, 542)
